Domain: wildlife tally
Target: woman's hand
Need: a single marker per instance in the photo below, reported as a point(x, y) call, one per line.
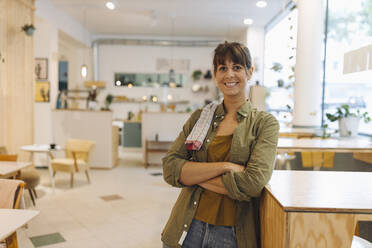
point(234, 167)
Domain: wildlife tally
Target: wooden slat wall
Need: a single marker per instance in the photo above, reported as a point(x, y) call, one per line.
point(16, 74)
point(273, 223)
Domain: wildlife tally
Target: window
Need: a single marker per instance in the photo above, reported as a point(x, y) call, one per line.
point(280, 58)
point(149, 79)
point(349, 27)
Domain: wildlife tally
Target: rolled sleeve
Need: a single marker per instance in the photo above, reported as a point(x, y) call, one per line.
point(244, 185)
point(178, 154)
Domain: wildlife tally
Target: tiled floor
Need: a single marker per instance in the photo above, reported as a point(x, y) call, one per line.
point(132, 212)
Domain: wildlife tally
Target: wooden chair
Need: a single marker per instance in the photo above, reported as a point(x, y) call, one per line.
point(30, 176)
point(77, 158)
point(11, 192)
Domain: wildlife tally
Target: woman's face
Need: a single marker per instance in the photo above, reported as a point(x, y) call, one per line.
point(232, 78)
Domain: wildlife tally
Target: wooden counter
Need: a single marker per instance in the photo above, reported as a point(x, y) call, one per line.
point(88, 125)
point(359, 144)
point(165, 126)
point(314, 208)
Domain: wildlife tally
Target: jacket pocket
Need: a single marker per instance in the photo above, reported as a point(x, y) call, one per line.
point(241, 150)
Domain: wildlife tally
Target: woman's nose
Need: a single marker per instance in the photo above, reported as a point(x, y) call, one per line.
point(230, 72)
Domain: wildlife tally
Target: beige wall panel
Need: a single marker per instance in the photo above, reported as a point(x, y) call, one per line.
point(273, 223)
point(17, 77)
point(3, 88)
point(321, 230)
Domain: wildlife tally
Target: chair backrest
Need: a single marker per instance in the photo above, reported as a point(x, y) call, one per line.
point(8, 157)
point(11, 192)
point(3, 150)
point(81, 148)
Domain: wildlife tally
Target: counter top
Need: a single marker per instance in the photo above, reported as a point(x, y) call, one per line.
point(322, 191)
point(84, 110)
point(357, 144)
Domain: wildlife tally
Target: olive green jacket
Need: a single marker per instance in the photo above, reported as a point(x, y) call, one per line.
point(253, 145)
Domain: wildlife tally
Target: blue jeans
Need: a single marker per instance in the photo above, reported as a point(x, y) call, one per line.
point(203, 235)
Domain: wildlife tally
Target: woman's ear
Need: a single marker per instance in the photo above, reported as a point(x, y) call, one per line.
point(250, 72)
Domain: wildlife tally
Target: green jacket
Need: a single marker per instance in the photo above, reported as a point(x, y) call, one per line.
point(253, 145)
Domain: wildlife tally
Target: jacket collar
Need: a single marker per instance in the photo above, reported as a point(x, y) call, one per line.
point(244, 110)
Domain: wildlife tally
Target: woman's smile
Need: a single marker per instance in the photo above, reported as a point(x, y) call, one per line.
point(230, 84)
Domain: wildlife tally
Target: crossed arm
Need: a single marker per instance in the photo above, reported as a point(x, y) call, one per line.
point(207, 175)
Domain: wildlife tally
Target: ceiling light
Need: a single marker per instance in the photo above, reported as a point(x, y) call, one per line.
point(110, 5)
point(248, 21)
point(118, 83)
point(84, 71)
point(261, 4)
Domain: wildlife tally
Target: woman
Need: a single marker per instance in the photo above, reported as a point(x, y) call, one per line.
point(222, 159)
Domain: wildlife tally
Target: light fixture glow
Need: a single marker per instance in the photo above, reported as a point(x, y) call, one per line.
point(84, 71)
point(118, 83)
point(261, 4)
point(170, 97)
point(248, 21)
point(130, 85)
point(110, 5)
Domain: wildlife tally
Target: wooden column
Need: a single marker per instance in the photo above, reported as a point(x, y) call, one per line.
point(17, 78)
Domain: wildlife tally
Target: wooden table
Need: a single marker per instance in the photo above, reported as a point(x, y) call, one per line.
point(43, 149)
point(12, 169)
point(314, 208)
point(325, 145)
point(12, 219)
point(290, 132)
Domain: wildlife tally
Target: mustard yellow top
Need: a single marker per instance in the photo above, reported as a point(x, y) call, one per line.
point(214, 208)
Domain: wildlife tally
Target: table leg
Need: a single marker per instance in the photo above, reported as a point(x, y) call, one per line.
point(50, 169)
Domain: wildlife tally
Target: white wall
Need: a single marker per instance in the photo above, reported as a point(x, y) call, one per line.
point(142, 59)
point(45, 46)
point(62, 21)
point(48, 22)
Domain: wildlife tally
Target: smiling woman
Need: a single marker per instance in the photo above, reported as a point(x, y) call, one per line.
point(222, 159)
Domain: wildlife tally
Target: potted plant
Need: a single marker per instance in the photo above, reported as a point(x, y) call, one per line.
point(196, 75)
point(29, 29)
point(348, 122)
point(108, 101)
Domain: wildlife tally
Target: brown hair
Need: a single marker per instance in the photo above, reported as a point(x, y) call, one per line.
point(238, 53)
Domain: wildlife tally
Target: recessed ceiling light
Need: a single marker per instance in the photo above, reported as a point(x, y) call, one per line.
point(110, 5)
point(248, 21)
point(84, 71)
point(261, 4)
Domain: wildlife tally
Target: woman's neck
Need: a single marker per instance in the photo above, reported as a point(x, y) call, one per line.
point(233, 104)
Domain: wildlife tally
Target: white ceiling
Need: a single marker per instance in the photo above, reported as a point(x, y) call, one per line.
point(202, 18)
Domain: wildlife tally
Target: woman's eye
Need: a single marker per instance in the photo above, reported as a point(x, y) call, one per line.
point(237, 67)
point(222, 68)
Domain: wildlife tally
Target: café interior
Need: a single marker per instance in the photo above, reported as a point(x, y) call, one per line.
point(93, 93)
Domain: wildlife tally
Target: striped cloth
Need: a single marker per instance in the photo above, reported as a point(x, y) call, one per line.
point(199, 132)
